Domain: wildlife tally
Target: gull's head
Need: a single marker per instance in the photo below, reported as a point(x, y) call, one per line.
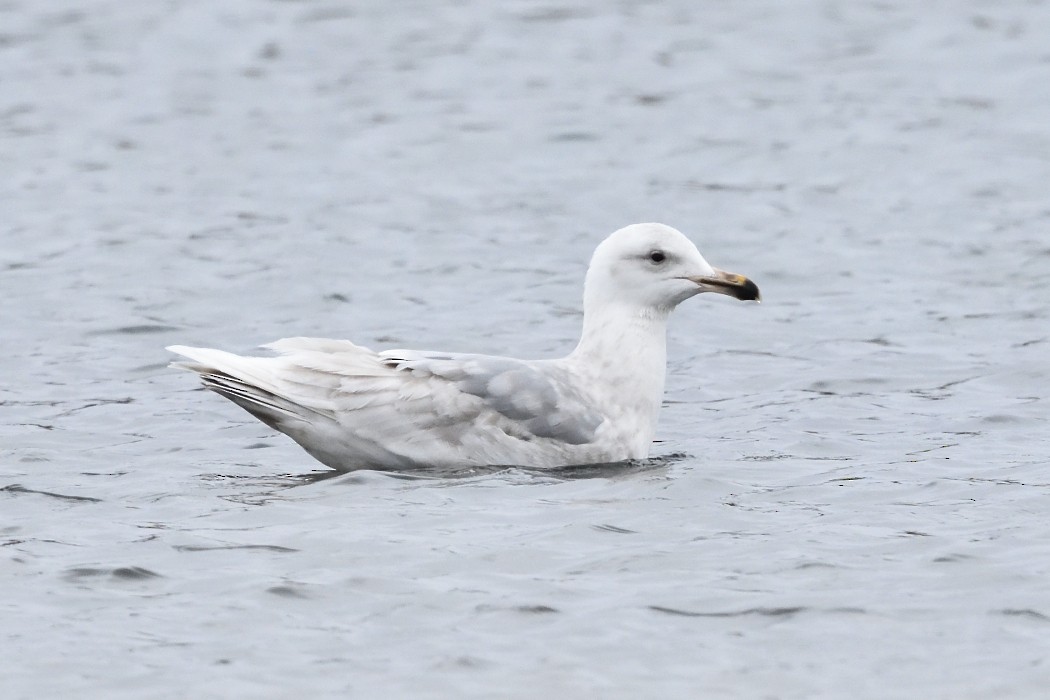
point(654, 267)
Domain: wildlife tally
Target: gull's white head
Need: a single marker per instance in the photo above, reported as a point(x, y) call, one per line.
point(653, 267)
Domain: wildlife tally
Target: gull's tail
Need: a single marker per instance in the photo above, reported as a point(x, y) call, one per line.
point(250, 382)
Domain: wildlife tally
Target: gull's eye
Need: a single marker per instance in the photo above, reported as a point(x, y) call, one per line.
point(657, 256)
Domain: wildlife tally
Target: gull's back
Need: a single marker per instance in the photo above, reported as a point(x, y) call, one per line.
point(353, 408)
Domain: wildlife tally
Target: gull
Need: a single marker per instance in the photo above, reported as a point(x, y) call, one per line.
point(353, 408)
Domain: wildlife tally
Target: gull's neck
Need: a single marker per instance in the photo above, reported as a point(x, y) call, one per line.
point(611, 332)
point(624, 350)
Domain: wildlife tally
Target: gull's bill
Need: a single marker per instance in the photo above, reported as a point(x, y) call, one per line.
point(729, 283)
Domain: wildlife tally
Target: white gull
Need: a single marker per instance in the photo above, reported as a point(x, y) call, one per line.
point(352, 408)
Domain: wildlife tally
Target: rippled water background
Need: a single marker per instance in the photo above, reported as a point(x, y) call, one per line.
point(862, 505)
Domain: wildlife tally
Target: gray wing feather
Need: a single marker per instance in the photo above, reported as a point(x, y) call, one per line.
point(537, 397)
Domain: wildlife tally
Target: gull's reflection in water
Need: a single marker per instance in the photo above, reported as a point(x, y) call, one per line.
point(263, 489)
point(604, 470)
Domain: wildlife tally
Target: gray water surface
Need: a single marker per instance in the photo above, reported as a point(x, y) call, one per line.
point(851, 499)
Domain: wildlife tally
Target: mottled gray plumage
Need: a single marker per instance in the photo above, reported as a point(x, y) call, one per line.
point(540, 396)
point(354, 408)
